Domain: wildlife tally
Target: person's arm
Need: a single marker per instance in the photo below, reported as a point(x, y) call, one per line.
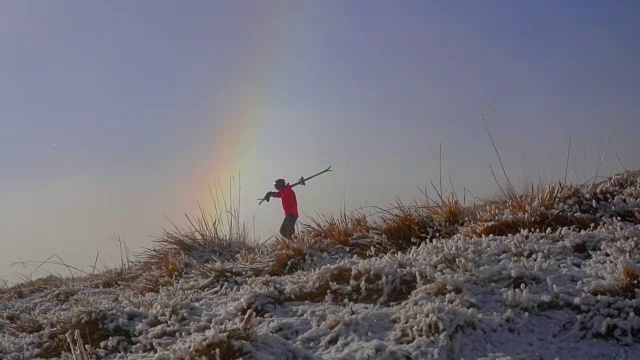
point(278, 194)
point(275, 194)
point(269, 195)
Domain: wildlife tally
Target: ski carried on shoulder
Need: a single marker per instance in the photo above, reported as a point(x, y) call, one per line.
point(302, 181)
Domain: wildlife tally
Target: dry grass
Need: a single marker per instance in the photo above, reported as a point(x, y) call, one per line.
point(217, 273)
point(214, 237)
point(539, 209)
point(219, 254)
point(343, 284)
point(24, 324)
point(288, 256)
point(90, 327)
point(228, 344)
point(149, 282)
point(228, 347)
point(150, 276)
point(209, 236)
point(112, 278)
point(401, 226)
point(531, 210)
point(171, 266)
point(405, 227)
point(77, 348)
point(201, 239)
point(31, 287)
point(449, 212)
point(540, 222)
point(537, 198)
point(337, 229)
point(629, 281)
point(626, 180)
point(329, 281)
point(205, 239)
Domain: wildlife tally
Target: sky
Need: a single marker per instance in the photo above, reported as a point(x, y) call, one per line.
point(116, 117)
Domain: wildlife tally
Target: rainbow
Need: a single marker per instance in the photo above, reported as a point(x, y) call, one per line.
point(236, 130)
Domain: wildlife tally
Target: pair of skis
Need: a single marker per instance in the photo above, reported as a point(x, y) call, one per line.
point(302, 181)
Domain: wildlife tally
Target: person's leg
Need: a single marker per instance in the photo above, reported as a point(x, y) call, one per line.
point(292, 223)
point(284, 228)
point(287, 229)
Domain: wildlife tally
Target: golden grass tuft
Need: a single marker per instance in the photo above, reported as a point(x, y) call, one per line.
point(288, 256)
point(537, 198)
point(405, 227)
point(201, 239)
point(536, 210)
point(450, 212)
point(541, 222)
point(337, 229)
point(171, 266)
point(401, 226)
point(447, 210)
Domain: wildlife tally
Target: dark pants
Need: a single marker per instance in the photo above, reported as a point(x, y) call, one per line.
point(288, 226)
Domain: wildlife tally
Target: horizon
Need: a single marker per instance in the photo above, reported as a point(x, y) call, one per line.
point(118, 116)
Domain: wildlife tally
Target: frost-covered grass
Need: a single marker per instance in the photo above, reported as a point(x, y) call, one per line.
point(551, 273)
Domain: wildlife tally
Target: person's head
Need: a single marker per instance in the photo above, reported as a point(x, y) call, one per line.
point(279, 184)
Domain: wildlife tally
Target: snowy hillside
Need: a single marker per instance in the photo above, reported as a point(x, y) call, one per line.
point(551, 274)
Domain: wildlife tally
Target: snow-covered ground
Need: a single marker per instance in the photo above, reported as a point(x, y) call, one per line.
point(558, 293)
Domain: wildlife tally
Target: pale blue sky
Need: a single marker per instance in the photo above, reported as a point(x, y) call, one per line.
point(110, 111)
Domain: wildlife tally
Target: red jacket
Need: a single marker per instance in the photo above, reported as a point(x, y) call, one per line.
point(289, 202)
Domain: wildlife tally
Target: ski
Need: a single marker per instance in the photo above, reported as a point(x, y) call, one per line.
point(303, 181)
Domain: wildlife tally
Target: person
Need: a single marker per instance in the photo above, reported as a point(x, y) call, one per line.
point(289, 205)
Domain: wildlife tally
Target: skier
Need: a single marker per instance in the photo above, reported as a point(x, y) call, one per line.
point(289, 204)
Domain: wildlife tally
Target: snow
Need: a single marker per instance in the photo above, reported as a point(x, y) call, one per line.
point(530, 295)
